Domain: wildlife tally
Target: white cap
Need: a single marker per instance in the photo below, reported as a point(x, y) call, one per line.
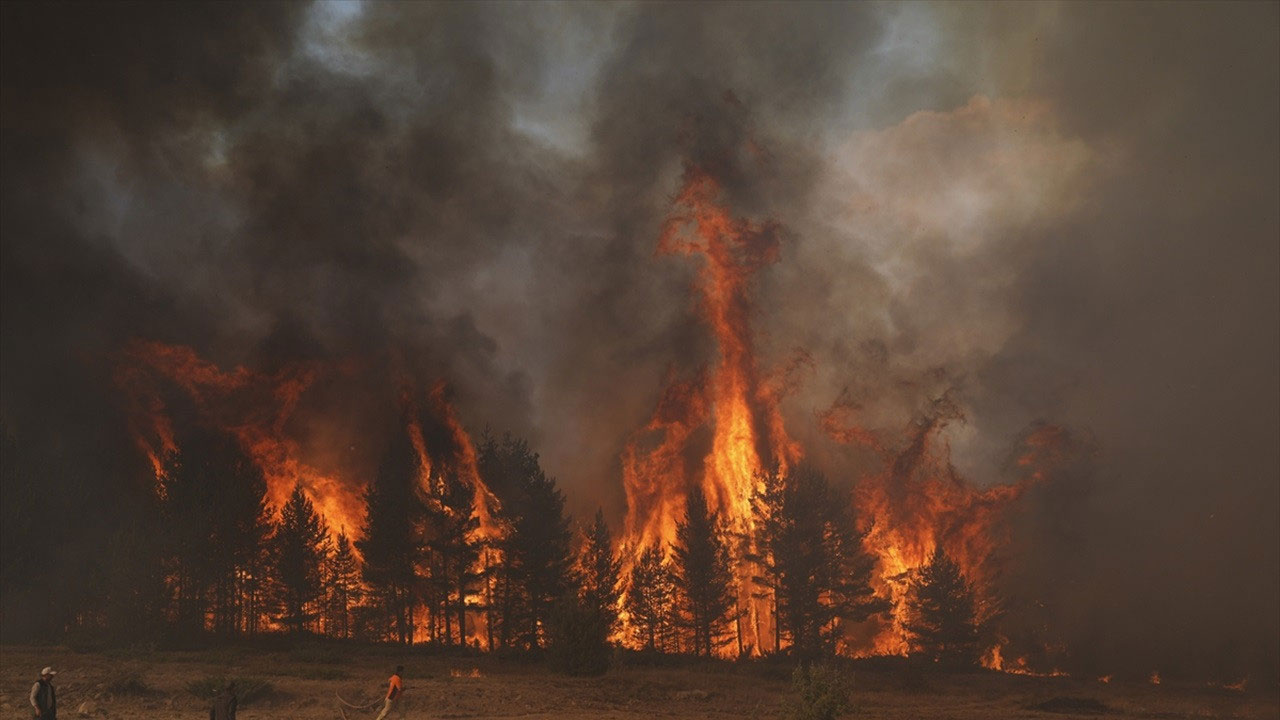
point(48, 671)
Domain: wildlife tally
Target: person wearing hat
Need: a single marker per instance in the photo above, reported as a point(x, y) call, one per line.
point(43, 698)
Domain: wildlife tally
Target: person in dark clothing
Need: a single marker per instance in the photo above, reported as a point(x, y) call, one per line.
point(224, 703)
point(44, 700)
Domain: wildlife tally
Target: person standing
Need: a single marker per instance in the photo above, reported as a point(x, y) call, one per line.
point(224, 703)
point(395, 688)
point(44, 700)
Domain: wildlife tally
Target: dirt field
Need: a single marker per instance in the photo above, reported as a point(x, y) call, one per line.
point(302, 686)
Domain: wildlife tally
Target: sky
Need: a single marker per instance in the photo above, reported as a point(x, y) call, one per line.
point(1054, 212)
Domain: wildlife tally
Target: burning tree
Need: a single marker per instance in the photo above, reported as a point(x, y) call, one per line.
point(736, 399)
point(452, 553)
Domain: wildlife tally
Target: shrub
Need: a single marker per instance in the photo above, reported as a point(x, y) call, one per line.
point(248, 690)
point(820, 693)
point(578, 639)
point(127, 683)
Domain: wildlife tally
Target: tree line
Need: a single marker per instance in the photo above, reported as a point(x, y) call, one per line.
point(211, 560)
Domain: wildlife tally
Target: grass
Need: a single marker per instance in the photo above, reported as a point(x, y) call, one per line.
point(320, 673)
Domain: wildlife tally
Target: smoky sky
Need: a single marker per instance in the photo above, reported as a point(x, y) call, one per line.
point(1059, 213)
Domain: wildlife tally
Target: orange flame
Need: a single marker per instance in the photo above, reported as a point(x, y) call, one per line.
point(485, 506)
point(255, 408)
point(741, 405)
point(919, 502)
point(252, 406)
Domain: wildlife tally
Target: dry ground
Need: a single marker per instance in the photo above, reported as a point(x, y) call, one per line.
point(303, 684)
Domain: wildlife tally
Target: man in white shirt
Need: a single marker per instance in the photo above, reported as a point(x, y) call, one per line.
point(44, 701)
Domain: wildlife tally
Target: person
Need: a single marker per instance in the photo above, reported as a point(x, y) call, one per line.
point(224, 703)
point(395, 688)
point(43, 698)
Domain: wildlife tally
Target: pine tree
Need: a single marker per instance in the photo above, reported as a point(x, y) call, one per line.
point(941, 616)
point(454, 551)
point(342, 572)
point(650, 600)
point(702, 569)
point(812, 558)
point(536, 560)
point(298, 550)
point(773, 532)
point(599, 571)
point(216, 521)
point(390, 542)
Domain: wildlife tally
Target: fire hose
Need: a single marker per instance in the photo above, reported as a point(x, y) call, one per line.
point(366, 706)
point(343, 711)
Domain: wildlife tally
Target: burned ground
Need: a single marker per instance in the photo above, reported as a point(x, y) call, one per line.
point(302, 684)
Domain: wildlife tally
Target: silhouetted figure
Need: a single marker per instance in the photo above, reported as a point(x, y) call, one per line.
point(44, 700)
point(224, 703)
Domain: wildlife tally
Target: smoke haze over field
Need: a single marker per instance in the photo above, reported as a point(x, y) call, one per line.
point(1059, 213)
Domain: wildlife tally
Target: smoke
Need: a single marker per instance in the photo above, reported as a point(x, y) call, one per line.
point(1052, 212)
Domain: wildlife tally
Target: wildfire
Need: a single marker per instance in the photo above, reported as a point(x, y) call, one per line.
point(917, 503)
point(255, 408)
point(994, 660)
point(734, 397)
point(718, 430)
point(485, 507)
point(463, 461)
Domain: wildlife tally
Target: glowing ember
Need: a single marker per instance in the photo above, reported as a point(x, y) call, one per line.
point(1238, 686)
